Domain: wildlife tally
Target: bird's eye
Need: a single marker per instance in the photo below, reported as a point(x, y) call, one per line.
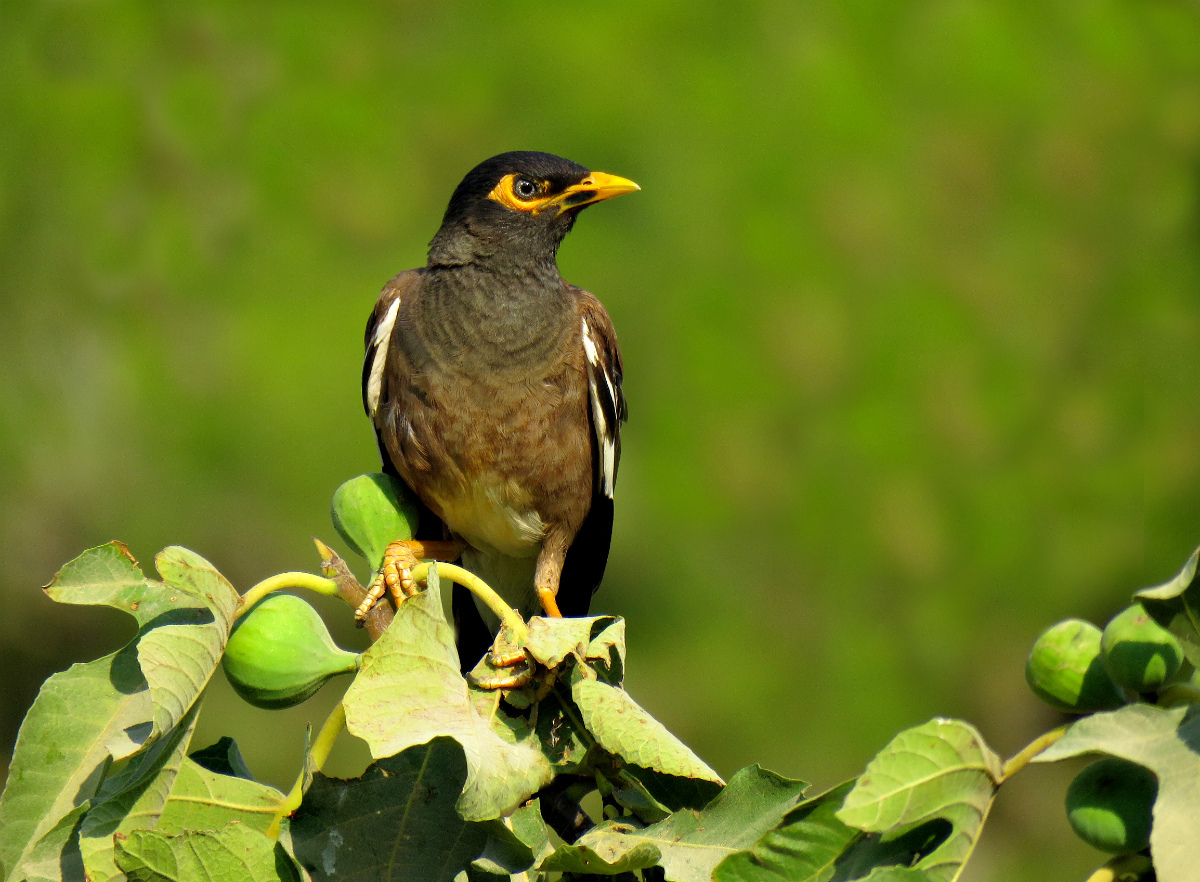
point(524, 188)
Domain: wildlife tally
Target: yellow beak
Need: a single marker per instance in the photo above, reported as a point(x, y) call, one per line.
point(593, 188)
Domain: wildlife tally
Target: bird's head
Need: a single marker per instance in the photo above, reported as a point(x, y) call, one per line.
point(519, 204)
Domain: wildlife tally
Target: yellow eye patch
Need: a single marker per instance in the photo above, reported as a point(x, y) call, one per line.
point(512, 189)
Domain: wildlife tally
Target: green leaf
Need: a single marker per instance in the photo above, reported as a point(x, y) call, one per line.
point(515, 843)
point(81, 720)
point(804, 848)
point(1176, 606)
point(812, 845)
point(132, 795)
point(397, 822)
point(624, 729)
point(604, 856)
point(55, 856)
point(900, 874)
point(561, 736)
point(233, 852)
point(184, 621)
point(942, 769)
point(550, 641)
point(410, 691)
point(1167, 742)
point(179, 659)
point(105, 711)
point(606, 652)
point(202, 799)
point(671, 791)
point(689, 845)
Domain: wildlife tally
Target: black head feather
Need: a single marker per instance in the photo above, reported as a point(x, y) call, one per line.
point(476, 227)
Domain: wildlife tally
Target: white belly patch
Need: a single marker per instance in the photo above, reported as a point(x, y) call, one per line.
point(487, 518)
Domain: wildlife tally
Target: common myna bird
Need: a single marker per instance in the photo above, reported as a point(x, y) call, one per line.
point(494, 387)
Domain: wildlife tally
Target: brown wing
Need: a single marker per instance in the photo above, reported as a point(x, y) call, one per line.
point(605, 375)
point(588, 555)
point(378, 339)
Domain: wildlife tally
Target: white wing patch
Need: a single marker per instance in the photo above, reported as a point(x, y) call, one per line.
point(378, 356)
point(605, 433)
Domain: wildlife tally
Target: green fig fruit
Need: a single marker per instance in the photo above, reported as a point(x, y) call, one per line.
point(1065, 669)
point(280, 653)
point(1140, 654)
point(370, 511)
point(1110, 804)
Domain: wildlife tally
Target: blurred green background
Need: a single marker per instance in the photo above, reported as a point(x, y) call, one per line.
point(909, 305)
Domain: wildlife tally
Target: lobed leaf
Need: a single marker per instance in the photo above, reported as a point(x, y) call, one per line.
point(179, 656)
point(1176, 606)
point(1167, 742)
point(942, 769)
point(397, 822)
point(409, 691)
point(82, 719)
point(89, 719)
point(689, 844)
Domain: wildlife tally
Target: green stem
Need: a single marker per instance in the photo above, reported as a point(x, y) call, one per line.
point(483, 591)
point(1179, 693)
point(317, 754)
point(1126, 868)
point(1031, 750)
point(319, 584)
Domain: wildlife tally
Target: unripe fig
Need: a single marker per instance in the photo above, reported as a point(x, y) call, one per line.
point(1065, 669)
point(370, 511)
point(1110, 803)
point(280, 653)
point(1140, 654)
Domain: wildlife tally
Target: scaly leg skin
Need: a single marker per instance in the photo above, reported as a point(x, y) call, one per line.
point(549, 571)
point(395, 573)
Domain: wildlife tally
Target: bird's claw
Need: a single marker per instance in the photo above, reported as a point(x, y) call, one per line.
point(394, 578)
point(514, 668)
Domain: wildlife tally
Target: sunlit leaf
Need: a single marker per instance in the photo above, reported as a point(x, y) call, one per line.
point(410, 691)
point(132, 795)
point(689, 844)
point(942, 769)
point(1167, 742)
point(82, 720)
point(624, 729)
point(804, 848)
point(233, 852)
point(552, 640)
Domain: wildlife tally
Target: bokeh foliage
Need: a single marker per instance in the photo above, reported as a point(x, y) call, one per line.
point(909, 309)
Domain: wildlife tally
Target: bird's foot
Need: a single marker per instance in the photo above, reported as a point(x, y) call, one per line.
point(394, 578)
point(514, 668)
